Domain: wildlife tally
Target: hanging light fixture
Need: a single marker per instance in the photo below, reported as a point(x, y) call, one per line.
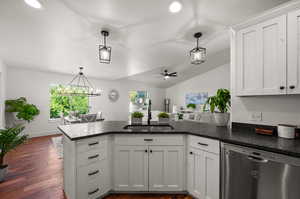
point(104, 51)
point(79, 86)
point(198, 54)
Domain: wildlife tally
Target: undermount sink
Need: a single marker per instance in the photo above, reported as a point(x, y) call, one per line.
point(149, 127)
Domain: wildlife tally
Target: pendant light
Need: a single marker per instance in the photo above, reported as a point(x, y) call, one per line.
point(104, 51)
point(198, 54)
point(79, 86)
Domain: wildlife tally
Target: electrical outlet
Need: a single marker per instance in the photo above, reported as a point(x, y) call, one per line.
point(255, 116)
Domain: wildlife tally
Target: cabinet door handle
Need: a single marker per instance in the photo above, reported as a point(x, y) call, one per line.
point(146, 151)
point(93, 173)
point(92, 192)
point(202, 144)
point(191, 153)
point(148, 140)
point(281, 87)
point(94, 156)
point(94, 143)
point(292, 87)
point(150, 151)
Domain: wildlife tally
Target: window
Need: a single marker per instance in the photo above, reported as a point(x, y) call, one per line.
point(63, 105)
point(138, 101)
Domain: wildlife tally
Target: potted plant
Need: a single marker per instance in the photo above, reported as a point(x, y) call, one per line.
point(191, 106)
point(221, 102)
point(137, 117)
point(9, 139)
point(21, 109)
point(163, 117)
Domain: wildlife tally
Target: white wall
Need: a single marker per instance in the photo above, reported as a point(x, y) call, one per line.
point(34, 85)
point(2, 93)
point(209, 82)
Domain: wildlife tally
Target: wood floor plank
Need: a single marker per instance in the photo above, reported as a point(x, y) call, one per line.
point(36, 172)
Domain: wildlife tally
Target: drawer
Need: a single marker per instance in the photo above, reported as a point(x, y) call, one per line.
point(91, 144)
point(92, 180)
point(91, 156)
point(145, 139)
point(205, 144)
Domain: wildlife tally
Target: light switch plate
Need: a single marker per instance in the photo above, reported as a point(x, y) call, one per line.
point(255, 116)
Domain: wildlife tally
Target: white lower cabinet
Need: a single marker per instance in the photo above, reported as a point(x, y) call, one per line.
point(203, 171)
point(131, 168)
point(166, 168)
point(154, 163)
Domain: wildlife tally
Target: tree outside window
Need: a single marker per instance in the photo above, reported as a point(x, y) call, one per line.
point(63, 105)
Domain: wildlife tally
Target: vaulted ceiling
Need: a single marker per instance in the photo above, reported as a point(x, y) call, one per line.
point(145, 37)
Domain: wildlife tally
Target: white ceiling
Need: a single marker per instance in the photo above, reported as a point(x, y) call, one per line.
point(145, 37)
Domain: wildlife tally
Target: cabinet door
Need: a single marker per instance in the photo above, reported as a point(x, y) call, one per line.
point(248, 70)
point(203, 174)
point(131, 168)
point(293, 52)
point(166, 168)
point(272, 55)
point(195, 172)
point(261, 58)
point(211, 173)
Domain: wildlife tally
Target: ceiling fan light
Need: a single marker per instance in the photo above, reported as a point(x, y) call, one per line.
point(33, 3)
point(104, 54)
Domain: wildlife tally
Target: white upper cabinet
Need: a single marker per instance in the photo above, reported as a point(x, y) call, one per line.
point(249, 73)
point(261, 58)
point(293, 72)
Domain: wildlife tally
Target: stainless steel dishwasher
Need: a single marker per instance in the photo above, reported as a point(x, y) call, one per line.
point(254, 174)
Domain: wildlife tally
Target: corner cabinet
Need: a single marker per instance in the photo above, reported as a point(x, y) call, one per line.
point(261, 58)
point(203, 169)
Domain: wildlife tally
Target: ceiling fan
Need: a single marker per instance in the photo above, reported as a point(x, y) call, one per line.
point(167, 75)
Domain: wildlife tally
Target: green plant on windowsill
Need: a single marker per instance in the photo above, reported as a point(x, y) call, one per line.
point(191, 106)
point(22, 109)
point(163, 115)
point(137, 114)
point(9, 139)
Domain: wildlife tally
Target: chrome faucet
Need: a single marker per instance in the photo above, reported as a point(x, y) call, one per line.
point(149, 113)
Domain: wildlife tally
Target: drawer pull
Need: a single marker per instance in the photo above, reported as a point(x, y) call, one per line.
point(202, 144)
point(94, 156)
point(148, 140)
point(191, 153)
point(92, 192)
point(94, 143)
point(93, 173)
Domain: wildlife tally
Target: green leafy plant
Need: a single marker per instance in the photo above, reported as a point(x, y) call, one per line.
point(64, 104)
point(24, 110)
point(137, 114)
point(9, 139)
point(193, 106)
point(221, 101)
point(163, 115)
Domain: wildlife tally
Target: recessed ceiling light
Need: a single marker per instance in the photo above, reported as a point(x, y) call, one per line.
point(34, 3)
point(175, 7)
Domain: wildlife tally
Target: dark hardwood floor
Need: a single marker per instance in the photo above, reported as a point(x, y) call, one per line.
point(35, 172)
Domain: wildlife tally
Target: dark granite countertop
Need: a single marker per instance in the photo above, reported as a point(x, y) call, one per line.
point(240, 136)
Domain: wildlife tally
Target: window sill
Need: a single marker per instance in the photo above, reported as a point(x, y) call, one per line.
point(55, 120)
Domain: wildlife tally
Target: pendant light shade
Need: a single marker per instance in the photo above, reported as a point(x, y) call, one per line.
point(198, 54)
point(79, 86)
point(104, 51)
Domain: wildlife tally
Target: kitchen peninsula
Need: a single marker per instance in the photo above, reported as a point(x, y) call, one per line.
point(103, 157)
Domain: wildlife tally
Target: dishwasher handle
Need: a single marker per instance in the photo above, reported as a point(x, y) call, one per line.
point(257, 159)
